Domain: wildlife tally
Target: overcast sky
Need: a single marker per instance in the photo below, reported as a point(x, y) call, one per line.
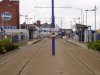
point(64, 14)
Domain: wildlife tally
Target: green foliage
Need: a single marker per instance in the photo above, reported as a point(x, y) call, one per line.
point(2, 50)
point(6, 46)
point(9, 47)
point(4, 41)
point(16, 46)
point(94, 45)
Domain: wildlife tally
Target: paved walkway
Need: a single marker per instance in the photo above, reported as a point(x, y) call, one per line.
point(33, 41)
point(77, 43)
point(37, 59)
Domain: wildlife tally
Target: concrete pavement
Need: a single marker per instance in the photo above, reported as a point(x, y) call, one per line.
point(60, 64)
point(33, 41)
point(69, 60)
point(77, 43)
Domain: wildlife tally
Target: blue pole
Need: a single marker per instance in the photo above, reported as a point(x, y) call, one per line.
point(53, 26)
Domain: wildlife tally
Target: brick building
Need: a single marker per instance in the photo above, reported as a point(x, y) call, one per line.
point(9, 14)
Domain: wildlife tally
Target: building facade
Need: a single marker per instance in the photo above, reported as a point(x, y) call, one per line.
point(9, 14)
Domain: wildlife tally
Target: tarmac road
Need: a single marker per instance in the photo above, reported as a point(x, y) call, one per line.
point(36, 59)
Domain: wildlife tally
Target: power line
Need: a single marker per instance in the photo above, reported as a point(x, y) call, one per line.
point(51, 7)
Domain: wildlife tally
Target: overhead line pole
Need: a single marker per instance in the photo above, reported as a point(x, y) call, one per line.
point(95, 16)
point(53, 26)
point(81, 15)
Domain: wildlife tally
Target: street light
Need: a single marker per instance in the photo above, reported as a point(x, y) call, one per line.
point(74, 20)
point(34, 18)
point(83, 19)
point(86, 16)
point(87, 36)
point(95, 8)
point(94, 15)
point(25, 16)
point(95, 21)
point(81, 13)
point(29, 19)
point(71, 24)
point(77, 18)
point(61, 24)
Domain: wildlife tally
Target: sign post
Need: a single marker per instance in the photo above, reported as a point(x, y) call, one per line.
point(53, 26)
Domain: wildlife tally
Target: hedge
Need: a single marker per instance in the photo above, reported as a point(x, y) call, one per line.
point(6, 46)
point(94, 45)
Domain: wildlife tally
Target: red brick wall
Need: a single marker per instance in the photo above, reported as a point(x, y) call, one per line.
point(13, 8)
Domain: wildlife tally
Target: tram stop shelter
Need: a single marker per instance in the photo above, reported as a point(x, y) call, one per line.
point(83, 32)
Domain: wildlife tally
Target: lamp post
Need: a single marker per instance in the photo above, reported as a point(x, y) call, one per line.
point(95, 16)
point(77, 18)
point(95, 8)
point(29, 19)
point(83, 19)
point(25, 16)
point(61, 23)
point(86, 16)
point(25, 26)
point(26, 22)
point(87, 36)
point(71, 24)
point(34, 18)
point(74, 20)
point(95, 21)
point(81, 14)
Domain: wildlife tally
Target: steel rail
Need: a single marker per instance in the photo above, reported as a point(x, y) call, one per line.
point(30, 59)
point(91, 54)
point(9, 60)
point(78, 60)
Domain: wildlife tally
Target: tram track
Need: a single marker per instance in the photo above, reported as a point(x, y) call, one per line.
point(27, 63)
point(30, 59)
point(78, 60)
point(12, 57)
point(38, 60)
point(22, 62)
point(90, 53)
point(71, 50)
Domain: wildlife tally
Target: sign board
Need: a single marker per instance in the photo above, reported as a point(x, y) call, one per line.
point(6, 16)
point(8, 27)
